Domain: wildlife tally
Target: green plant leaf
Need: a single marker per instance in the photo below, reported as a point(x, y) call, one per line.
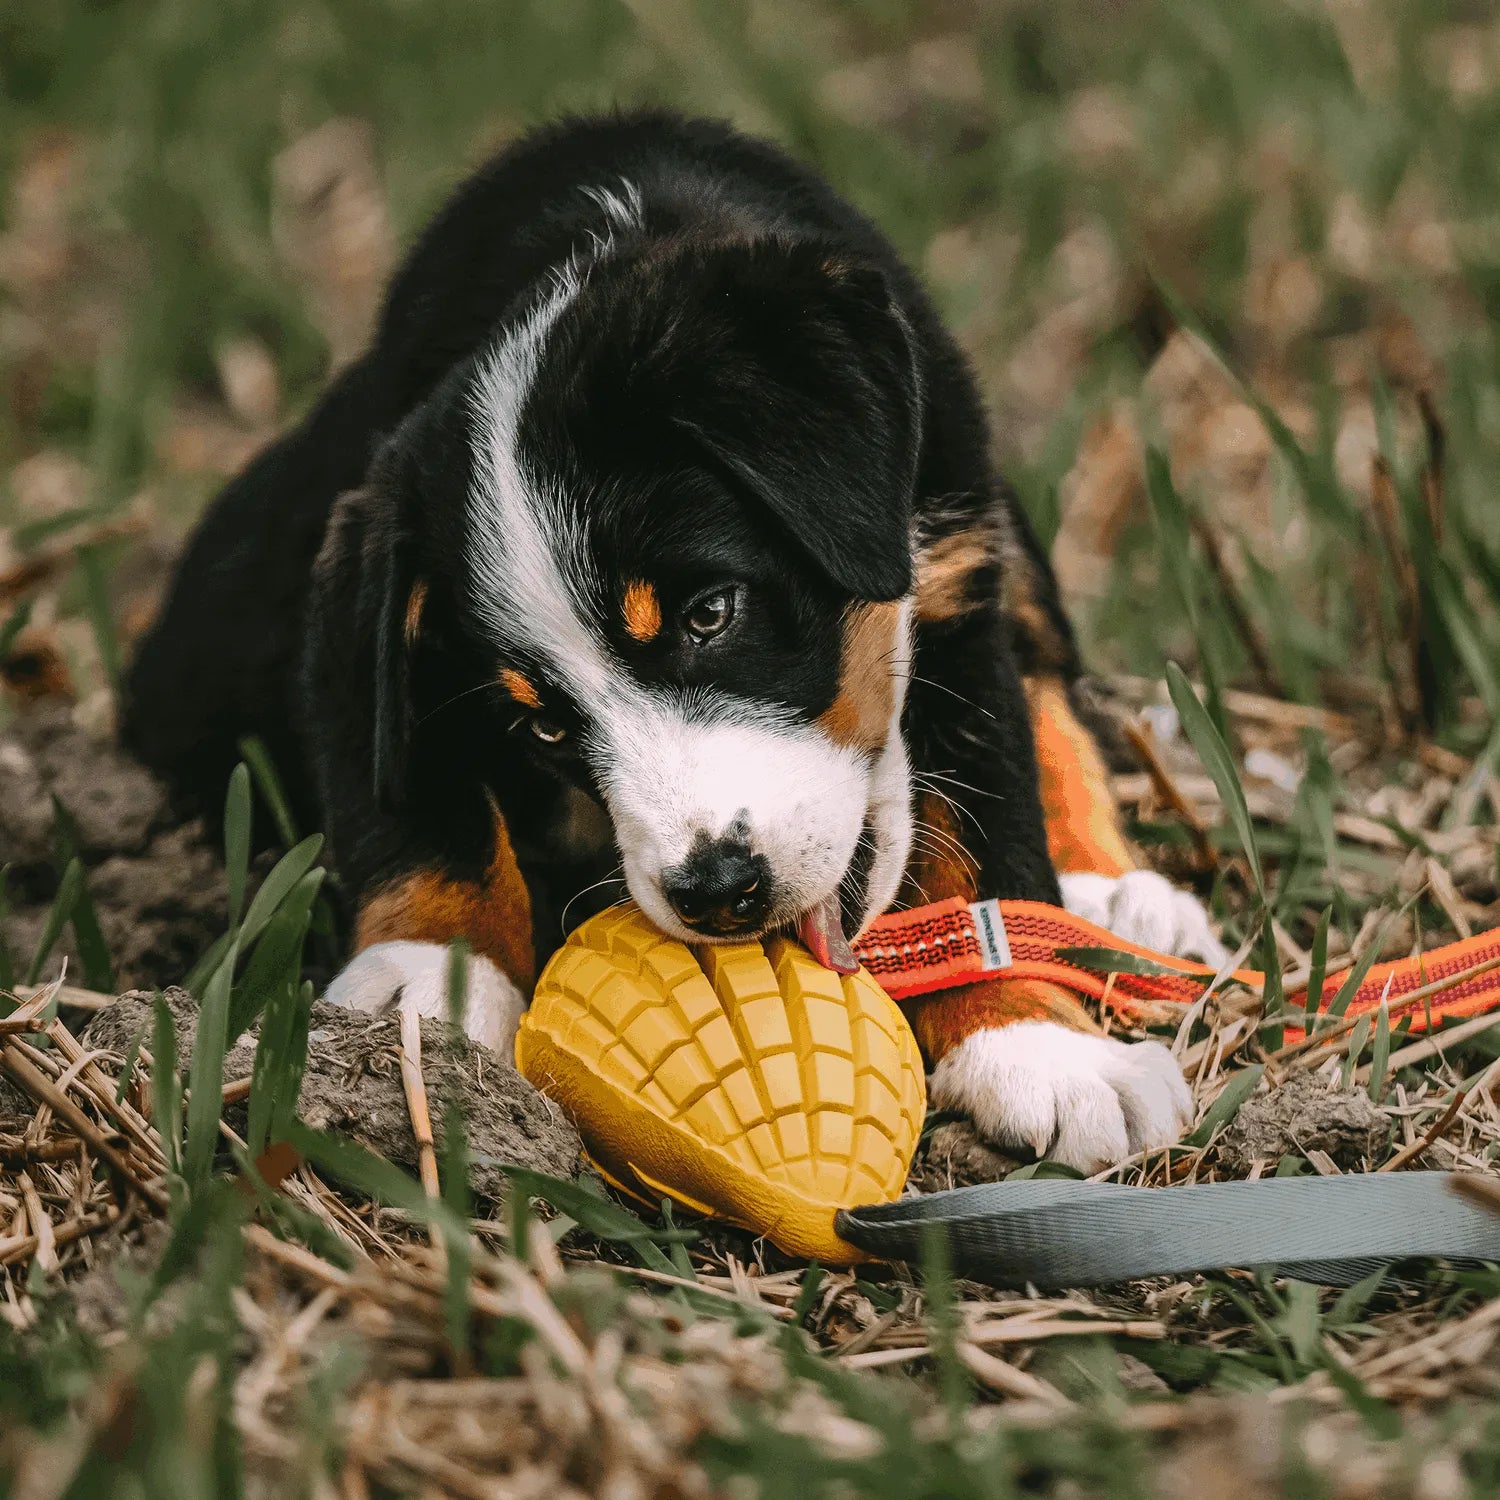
point(15, 622)
point(206, 1077)
point(275, 889)
point(7, 958)
point(255, 755)
point(1227, 1105)
point(57, 918)
point(1116, 961)
point(455, 1170)
point(280, 1058)
point(166, 1086)
point(285, 874)
point(1317, 971)
point(237, 830)
point(372, 1175)
point(1357, 1040)
point(1219, 764)
point(93, 951)
point(602, 1218)
point(277, 959)
point(1380, 1053)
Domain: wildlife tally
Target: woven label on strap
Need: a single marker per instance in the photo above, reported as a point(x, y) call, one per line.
point(935, 947)
point(989, 926)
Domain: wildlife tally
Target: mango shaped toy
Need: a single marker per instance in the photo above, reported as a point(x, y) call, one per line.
point(746, 1083)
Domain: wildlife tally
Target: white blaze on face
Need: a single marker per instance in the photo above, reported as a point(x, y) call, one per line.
point(674, 767)
point(673, 770)
point(890, 787)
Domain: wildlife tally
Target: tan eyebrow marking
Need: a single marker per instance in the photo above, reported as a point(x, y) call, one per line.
point(414, 604)
point(861, 714)
point(520, 688)
point(642, 611)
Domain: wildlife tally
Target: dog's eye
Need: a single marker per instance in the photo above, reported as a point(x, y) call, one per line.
point(710, 615)
point(548, 731)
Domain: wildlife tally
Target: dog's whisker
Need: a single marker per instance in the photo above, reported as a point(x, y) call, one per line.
point(616, 877)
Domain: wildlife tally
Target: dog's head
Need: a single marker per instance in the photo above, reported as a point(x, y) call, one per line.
point(684, 541)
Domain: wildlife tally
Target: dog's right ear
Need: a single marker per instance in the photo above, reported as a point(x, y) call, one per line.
point(367, 572)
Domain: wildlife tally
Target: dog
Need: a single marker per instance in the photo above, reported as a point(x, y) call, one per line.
point(655, 547)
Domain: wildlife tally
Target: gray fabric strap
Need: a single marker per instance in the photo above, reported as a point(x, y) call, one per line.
point(1053, 1233)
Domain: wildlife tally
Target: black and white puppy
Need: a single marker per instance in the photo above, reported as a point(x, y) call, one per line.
point(655, 546)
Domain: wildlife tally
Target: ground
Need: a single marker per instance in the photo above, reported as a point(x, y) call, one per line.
point(1228, 275)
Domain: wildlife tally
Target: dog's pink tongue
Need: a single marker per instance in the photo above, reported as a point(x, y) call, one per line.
point(822, 929)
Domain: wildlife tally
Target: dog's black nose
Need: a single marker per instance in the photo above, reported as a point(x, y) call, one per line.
point(720, 888)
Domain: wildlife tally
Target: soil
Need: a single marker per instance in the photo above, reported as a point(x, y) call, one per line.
point(955, 1155)
point(156, 883)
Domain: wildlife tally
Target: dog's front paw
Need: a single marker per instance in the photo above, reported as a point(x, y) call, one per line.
point(415, 975)
point(1146, 909)
point(1087, 1101)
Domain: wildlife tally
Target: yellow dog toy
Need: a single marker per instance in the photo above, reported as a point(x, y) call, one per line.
point(747, 1083)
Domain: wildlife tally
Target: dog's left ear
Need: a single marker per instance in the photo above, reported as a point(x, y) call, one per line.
point(367, 601)
point(809, 394)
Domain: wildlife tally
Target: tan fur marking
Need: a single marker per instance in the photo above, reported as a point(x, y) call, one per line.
point(939, 867)
point(642, 611)
point(861, 714)
point(494, 913)
point(414, 605)
point(520, 688)
point(943, 574)
point(1083, 827)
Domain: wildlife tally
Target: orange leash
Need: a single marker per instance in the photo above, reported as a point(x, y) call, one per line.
point(957, 942)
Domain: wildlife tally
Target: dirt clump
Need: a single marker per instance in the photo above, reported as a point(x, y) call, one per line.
point(1303, 1115)
point(955, 1155)
point(352, 1086)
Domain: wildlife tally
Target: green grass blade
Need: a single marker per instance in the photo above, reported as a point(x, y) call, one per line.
point(1117, 961)
point(94, 572)
point(213, 956)
point(255, 755)
point(288, 870)
point(1357, 1040)
point(1318, 969)
point(276, 887)
point(1174, 536)
point(237, 830)
point(277, 959)
point(206, 1078)
point(940, 1305)
point(7, 958)
point(455, 1172)
point(599, 1216)
point(57, 918)
point(1380, 1053)
point(280, 1057)
point(1355, 977)
point(372, 1175)
point(15, 622)
point(1227, 1105)
point(166, 1087)
point(93, 951)
point(1273, 996)
point(1219, 763)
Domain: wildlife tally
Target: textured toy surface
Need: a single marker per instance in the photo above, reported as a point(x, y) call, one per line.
point(745, 1082)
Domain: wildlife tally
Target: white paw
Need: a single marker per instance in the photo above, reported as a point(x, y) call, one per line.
point(1146, 909)
point(417, 975)
point(1088, 1101)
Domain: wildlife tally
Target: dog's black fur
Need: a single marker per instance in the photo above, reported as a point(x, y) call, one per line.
point(755, 388)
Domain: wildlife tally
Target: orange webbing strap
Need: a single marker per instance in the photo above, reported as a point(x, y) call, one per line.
point(957, 942)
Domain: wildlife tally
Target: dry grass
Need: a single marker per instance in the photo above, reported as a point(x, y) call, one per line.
point(1227, 274)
